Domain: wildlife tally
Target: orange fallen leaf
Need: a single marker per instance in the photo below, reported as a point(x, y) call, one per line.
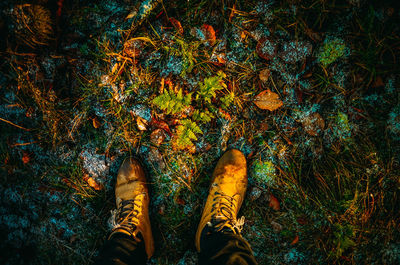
point(177, 25)
point(295, 240)
point(96, 123)
point(92, 183)
point(209, 34)
point(268, 100)
point(274, 203)
point(26, 157)
point(224, 114)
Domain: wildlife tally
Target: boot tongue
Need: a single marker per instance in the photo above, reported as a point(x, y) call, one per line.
point(221, 224)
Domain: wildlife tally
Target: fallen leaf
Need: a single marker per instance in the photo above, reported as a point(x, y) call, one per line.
point(26, 157)
point(141, 123)
point(157, 137)
point(264, 75)
point(313, 124)
point(242, 35)
point(133, 48)
point(296, 51)
point(378, 82)
point(266, 48)
point(191, 149)
point(295, 240)
point(264, 126)
point(209, 34)
point(218, 59)
point(161, 125)
point(225, 114)
point(390, 11)
point(268, 100)
point(274, 203)
point(180, 201)
point(299, 94)
point(92, 183)
point(96, 123)
point(177, 25)
point(276, 226)
point(302, 220)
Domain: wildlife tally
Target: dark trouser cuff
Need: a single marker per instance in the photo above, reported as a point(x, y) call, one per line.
point(225, 248)
point(122, 249)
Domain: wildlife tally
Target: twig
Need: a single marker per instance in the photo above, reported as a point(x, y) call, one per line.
point(13, 124)
point(23, 144)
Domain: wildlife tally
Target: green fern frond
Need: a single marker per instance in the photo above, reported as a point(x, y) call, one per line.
point(172, 102)
point(185, 134)
point(209, 87)
point(227, 100)
point(202, 116)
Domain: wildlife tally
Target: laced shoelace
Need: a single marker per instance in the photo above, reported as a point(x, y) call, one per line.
point(127, 214)
point(223, 213)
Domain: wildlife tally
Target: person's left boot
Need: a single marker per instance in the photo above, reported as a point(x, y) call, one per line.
point(132, 199)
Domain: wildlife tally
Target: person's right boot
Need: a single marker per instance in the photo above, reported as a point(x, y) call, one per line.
point(226, 194)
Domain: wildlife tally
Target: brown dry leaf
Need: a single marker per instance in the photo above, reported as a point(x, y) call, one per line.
point(180, 201)
point(295, 240)
point(264, 75)
point(378, 82)
point(264, 126)
point(313, 124)
point(160, 124)
point(266, 48)
point(96, 123)
point(209, 34)
point(268, 100)
point(177, 25)
point(276, 226)
point(92, 183)
point(274, 203)
point(26, 157)
point(141, 123)
point(157, 137)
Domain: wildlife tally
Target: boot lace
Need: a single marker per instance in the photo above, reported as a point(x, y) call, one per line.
point(223, 214)
point(126, 216)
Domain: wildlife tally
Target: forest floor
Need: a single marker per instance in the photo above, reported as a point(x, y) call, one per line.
point(307, 90)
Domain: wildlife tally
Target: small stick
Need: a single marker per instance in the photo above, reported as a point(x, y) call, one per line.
point(13, 124)
point(23, 144)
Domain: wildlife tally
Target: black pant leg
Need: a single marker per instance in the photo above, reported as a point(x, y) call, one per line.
point(122, 249)
point(225, 248)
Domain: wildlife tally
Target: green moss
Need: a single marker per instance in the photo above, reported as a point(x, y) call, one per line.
point(332, 50)
point(264, 173)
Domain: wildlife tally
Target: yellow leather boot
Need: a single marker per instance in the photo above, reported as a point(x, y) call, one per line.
point(132, 199)
point(226, 194)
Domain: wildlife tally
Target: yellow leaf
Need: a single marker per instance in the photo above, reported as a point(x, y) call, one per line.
point(268, 100)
